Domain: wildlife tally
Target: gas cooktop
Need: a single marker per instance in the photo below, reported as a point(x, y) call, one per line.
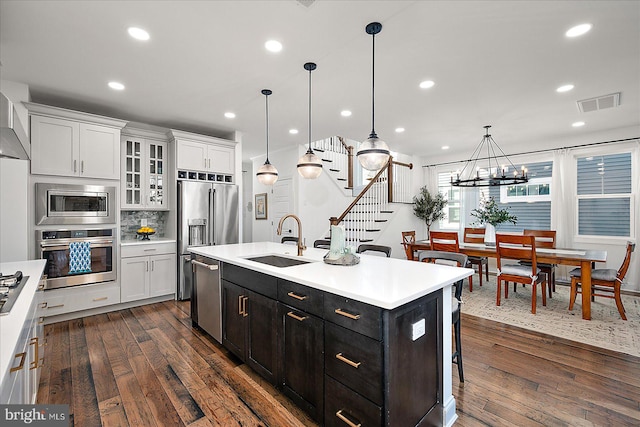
point(10, 287)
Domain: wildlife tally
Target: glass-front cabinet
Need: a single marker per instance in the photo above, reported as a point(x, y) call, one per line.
point(144, 165)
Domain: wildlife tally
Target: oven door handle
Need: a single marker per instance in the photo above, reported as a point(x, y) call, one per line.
point(101, 244)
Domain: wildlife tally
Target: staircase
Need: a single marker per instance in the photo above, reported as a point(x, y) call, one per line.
point(366, 216)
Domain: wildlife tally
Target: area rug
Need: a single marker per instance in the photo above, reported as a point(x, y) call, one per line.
point(605, 329)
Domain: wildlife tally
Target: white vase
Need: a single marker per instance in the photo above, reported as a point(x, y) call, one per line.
point(489, 235)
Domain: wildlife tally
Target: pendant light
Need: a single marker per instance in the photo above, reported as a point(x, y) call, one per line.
point(499, 170)
point(373, 153)
point(309, 165)
point(267, 173)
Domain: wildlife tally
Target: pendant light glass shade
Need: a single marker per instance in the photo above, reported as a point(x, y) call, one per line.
point(309, 165)
point(373, 153)
point(267, 174)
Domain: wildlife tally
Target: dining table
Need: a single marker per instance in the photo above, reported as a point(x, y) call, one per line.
point(584, 258)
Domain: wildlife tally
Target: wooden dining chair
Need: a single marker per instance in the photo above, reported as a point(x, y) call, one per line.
point(386, 250)
point(460, 260)
point(447, 241)
point(605, 282)
point(476, 235)
point(546, 239)
point(519, 248)
point(409, 237)
point(322, 244)
point(289, 239)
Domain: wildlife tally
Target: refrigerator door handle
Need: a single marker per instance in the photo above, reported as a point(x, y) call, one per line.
point(212, 195)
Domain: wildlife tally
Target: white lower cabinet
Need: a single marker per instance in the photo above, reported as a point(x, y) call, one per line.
point(77, 298)
point(147, 271)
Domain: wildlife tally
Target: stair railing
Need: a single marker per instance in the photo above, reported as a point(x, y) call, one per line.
point(399, 182)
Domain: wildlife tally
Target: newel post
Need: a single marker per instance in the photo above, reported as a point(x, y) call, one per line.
point(390, 179)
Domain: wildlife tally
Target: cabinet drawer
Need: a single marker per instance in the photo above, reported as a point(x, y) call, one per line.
point(253, 280)
point(301, 297)
point(76, 298)
point(355, 315)
point(128, 251)
point(342, 404)
point(355, 359)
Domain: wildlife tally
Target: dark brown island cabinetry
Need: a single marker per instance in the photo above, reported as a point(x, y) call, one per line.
point(345, 362)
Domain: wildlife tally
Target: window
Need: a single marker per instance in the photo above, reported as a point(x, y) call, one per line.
point(452, 195)
point(604, 198)
point(530, 202)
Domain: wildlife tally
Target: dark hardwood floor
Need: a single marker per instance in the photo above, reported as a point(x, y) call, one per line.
point(147, 366)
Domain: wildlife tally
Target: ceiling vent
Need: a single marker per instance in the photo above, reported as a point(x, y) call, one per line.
point(599, 103)
point(306, 3)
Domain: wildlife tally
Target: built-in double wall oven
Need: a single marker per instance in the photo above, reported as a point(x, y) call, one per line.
point(77, 257)
point(79, 242)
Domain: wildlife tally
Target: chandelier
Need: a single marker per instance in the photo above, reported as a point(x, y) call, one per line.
point(499, 169)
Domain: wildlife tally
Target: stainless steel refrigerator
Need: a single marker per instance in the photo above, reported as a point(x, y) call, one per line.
point(207, 215)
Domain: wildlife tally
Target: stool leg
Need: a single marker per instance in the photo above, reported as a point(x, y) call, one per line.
point(458, 355)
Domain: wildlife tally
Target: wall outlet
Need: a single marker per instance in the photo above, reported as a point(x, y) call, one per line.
point(143, 222)
point(418, 329)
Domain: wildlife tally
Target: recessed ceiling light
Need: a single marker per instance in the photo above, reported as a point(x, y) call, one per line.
point(345, 113)
point(426, 84)
point(230, 115)
point(578, 30)
point(399, 130)
point(565, 88)
point(577, 124)
point(138, 33)
point(273, 46)
point(293, 131)
point(116, 86)
point(445, 147)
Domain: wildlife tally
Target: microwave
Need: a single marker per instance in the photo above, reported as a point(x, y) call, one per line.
point(64, 204)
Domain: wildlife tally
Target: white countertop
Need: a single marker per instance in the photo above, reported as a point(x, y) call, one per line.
point(11, 324)
point(384, 282)
point(133, 242)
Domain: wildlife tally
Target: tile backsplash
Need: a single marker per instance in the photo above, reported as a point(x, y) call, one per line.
point(130, 223)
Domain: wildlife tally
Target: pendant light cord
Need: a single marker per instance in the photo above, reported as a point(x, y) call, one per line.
point(266, 103)
point(373, 85)
point(309, 109)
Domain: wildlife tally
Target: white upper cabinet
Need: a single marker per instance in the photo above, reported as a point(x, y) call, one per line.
point(144, 173)
point(204, 154)
point(71, 143)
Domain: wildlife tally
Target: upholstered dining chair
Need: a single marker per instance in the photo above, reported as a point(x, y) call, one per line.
point(605, 282)
point(460, 260)
point(476, 235)
point(322, 244)
point(386, 250)
point(546, 239)
point(447, 241)
point(519, 248)
point(289, 239)
point(409, 237)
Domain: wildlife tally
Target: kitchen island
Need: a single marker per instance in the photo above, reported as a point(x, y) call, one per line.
point(359, 344)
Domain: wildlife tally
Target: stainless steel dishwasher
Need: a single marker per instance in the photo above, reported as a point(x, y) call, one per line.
point(206, 299)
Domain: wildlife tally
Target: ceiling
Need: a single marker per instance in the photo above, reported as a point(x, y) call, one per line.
point(493, 62)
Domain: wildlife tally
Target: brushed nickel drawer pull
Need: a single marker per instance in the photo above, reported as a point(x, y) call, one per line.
point(244, 306)
point(340, 357)
point(22, 356)
point(298, 318)
point(55, 306)
point(100, 298)
point(345, 314)
point(347, 420)
point(298, 297)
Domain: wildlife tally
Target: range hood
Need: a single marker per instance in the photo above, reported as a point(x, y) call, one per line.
point(13, 138)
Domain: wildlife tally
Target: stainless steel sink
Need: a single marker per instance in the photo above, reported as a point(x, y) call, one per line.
point(278, 261)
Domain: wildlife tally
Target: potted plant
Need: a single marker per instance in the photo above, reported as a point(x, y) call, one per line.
point(490, 214)
point(429, 208)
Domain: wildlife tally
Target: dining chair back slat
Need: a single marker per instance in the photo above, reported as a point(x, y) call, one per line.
point(409, 237)
point(476, 235)
point(473, 235)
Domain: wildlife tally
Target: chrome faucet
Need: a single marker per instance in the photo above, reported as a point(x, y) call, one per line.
point(301, 246)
